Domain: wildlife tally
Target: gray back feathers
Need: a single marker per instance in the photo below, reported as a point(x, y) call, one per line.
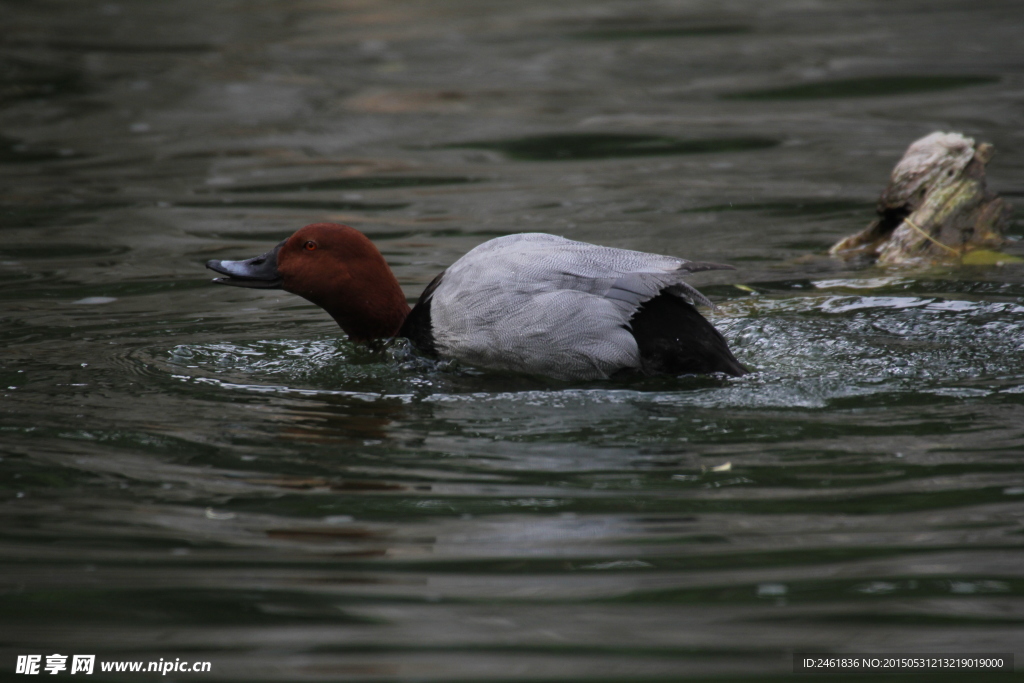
point(544, 304)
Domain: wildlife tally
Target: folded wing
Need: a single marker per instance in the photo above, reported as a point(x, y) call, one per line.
point(544, 304)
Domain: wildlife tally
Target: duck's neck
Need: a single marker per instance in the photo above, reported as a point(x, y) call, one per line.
point(364, 298)
point(373, 310)
point(373, 319)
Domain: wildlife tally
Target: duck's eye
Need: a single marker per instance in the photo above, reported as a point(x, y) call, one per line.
point(310, 245)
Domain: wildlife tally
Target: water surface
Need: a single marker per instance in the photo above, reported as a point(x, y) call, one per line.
point(216, 474)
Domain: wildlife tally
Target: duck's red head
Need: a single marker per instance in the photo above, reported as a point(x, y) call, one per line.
point(335, 267)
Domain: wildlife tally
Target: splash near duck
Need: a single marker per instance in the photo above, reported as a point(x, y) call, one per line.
point(532, 303)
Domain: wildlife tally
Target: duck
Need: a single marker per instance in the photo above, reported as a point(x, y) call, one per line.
point(529, 303)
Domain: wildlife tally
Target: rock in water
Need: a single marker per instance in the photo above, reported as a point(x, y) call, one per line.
point(936, 207)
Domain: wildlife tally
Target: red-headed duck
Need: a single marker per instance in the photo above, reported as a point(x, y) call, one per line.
point(531, 303)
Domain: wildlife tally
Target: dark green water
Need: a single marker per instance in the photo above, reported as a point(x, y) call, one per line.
point(214, 474)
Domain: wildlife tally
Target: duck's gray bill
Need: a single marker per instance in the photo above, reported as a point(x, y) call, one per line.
point(259, 272)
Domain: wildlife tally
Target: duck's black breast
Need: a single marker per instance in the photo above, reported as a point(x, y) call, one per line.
point(675, 339)
point(418, 327)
